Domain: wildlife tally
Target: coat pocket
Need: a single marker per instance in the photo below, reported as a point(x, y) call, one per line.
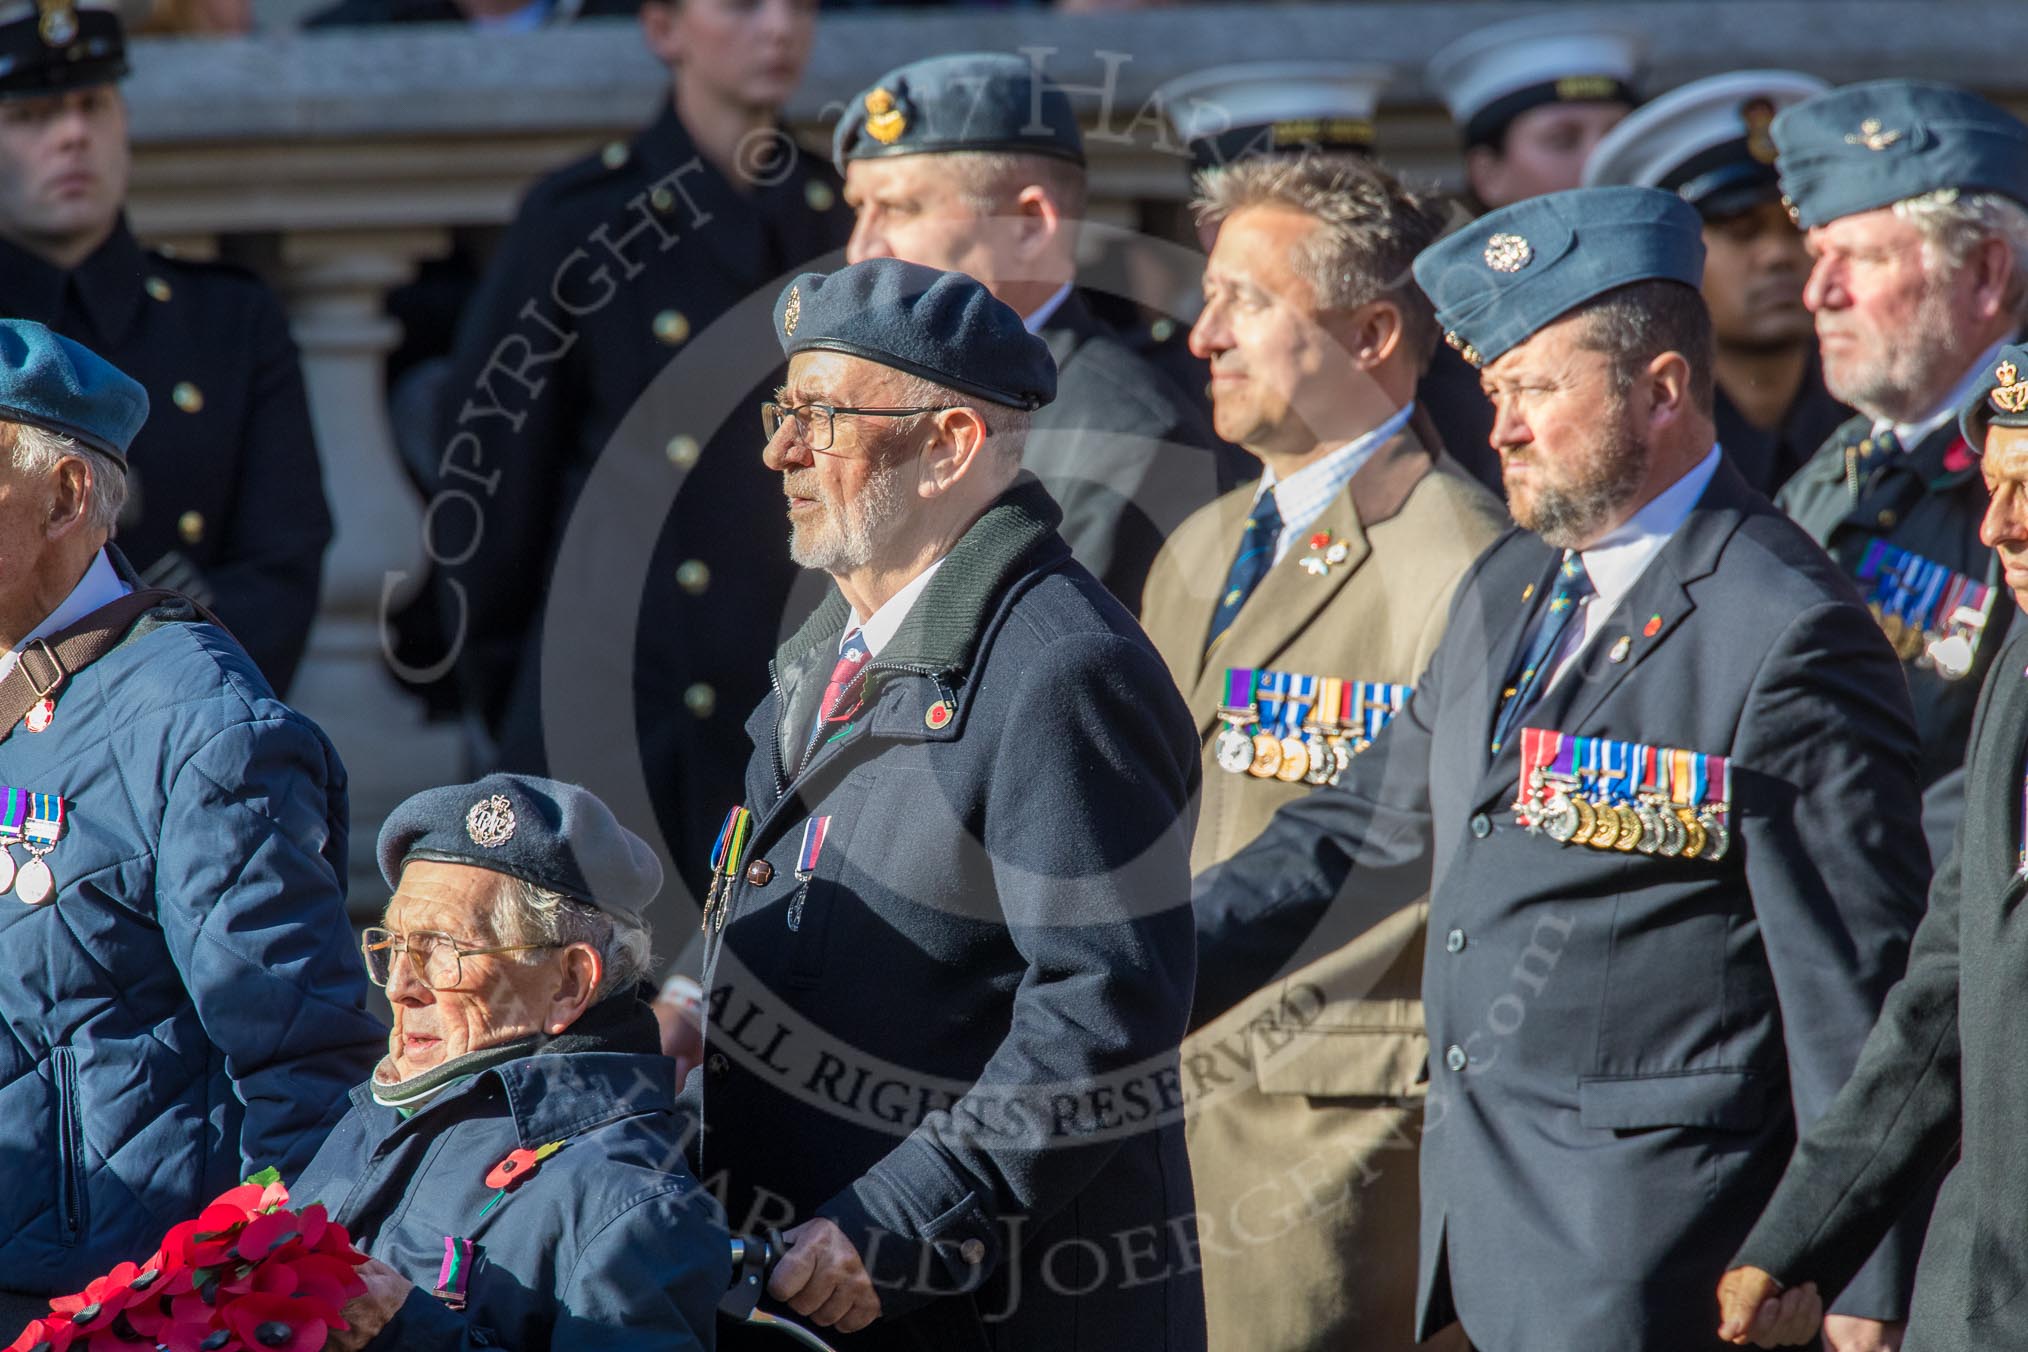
point(1721, 1100)
point(71, 1217)
point(1376, 1061)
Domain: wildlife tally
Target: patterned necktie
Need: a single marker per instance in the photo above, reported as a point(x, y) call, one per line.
point(1864, 450)
point(1573, 586)
point(1256, 555)
point(841, 692)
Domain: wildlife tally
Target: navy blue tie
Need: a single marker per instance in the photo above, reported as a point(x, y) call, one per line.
point(1256, 555)
point(1525, 684)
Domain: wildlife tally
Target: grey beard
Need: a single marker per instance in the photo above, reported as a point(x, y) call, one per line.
point(854, 533)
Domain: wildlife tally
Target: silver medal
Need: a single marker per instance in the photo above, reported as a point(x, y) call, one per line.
point(1322, 762)
point(34, 884)
point(1717, 840)
point(1234, 750)
point(1558, 817)
point(1651, 829)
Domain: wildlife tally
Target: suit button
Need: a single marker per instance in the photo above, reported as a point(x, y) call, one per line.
point(1887, 518)
point(716, 1063)
point(694, 576)
point(1454, 942)
point(671, 327)
point(1482, 826)
point(819, 195)
point(190, 526)
point(187, 397)
point(973, 1251)
point(1454, 1058)
point(700, 699)
point(760, 873)
point(683, 450)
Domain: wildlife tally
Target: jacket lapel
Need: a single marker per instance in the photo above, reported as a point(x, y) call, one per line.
point(1206, 580)
point(1290, 597)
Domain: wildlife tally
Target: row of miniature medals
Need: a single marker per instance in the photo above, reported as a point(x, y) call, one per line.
point(1624, 796)
point(1931, 615)
point(1300, 729)
point(33, 821)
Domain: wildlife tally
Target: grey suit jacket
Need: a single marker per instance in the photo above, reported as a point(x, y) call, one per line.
point(1941, 1073)
point(1634, 1038)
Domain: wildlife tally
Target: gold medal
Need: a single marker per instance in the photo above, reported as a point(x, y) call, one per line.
point(1910, 644)
point(1892, 626)
point(1295, 761)
point(1693, 833)
point(1267, 755)
point(1630, 829)
point(1587, 820)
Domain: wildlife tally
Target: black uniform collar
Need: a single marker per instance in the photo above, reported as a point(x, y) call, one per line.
point(1070, 327)
point(106, 287)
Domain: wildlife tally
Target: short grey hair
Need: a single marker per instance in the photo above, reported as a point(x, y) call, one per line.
point(1953, 223)
point(988, 181)
point(1371, 226)
point(37, 452)
point(524, 913)
point(1006, 426)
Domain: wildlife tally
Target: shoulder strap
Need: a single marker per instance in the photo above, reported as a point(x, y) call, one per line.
point(47, 663)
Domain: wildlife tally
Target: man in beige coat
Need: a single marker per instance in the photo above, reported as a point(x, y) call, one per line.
point(1293, 612)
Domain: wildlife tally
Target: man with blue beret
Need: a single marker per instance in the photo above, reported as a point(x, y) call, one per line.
point(1914, 202)
point(1644, 780)
point(514, 1165)
point(948, 949)
point(225, 496)
point(1710, 143)
point(183, 1006)
point(1938, 1089)
point(975, 163)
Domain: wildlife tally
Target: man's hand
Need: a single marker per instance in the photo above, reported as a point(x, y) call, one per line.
point(1845, 1333)
point(822, 1278)
point(1753, 1308)
point(386, 1289)
point(679, 1009)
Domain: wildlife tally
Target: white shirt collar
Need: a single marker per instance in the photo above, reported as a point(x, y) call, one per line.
point(1033, 323)
point(1302, 497)
point(1617, 561)
point(879, 628)
point(99, 586)
point(1912, 434)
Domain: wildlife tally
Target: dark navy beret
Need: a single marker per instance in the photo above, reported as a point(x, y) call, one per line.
point(1867, 146)
point(48, 381)
point(1513, 271)
point(2002, 397)
point(970, 101)
point(555, 835)
point(943, 326)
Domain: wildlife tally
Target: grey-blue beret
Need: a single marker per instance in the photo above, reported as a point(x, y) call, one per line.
point(1516, 270)
point(2002, 397)
point(943, 326)
point(48, 381)
point(542, 831)
point(970, 101)
point(1870, 145)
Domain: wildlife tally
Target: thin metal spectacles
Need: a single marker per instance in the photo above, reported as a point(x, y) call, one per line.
point(436, 959)
point(817, 424)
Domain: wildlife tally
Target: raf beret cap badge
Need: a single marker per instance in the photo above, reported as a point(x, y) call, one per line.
point(1758, 117)
point(885, 121)
point(2011, 394)
point(792, 311)
point(1873, 135)
point(490, 823)
point(1508, 253)
point(58, 24)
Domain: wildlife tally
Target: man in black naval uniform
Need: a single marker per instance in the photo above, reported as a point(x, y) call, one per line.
point(1709, 142)
point(1914, 198)
point(1940, 1076)
point(972, 163)
point(1652, 779)
point(226, 499)
point(612, 269)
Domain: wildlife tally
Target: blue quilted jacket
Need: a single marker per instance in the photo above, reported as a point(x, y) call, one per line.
point(190, 1007)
